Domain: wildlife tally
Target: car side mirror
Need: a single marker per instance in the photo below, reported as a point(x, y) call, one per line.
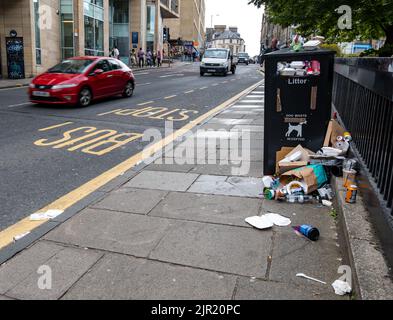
point(97, 72)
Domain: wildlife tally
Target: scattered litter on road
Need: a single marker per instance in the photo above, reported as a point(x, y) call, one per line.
point(50, 214)
point(260, 223)
point(341, 288)
point(278, 220)
point(308, 231)
point(20, 236)
point(267, 221)
point(327, 203)
point(302, 275)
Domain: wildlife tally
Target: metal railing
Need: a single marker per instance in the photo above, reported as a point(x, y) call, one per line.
point(363, 98)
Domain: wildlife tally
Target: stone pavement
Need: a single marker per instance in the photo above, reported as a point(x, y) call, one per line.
point(177, 231)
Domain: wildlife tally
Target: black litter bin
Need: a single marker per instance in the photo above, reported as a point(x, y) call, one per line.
point(298, 96)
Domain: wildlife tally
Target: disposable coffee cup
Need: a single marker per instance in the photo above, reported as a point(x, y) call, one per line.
point(349, 177)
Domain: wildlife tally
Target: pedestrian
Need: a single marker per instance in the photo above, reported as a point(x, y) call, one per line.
point(149, 58)
point(116, 53)
point(154, 58)
point(159, 58)
point(141, 58)
point(273, 47)
point(133, 58)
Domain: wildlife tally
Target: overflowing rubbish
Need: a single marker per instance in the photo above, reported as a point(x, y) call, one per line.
point(302, 275)
point(303, 176)
point(308, 231)
point(268, 220)
point(341, 288)
point(47, 215)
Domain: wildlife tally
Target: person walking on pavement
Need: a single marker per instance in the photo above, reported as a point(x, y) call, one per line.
point(149, 57)
point(141, 58)
point(154, 58)
point(133, 58)
point(273, 47)
point(159, 58)
point(116, 53)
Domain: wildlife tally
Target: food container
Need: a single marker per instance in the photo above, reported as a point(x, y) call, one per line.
point(288, 72)
point(297, 64)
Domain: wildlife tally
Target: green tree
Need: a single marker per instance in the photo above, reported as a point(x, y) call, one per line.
point(371, 19)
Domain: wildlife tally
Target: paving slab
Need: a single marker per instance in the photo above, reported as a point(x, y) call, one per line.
point(254, 169)
point(231, 186)
point(252, 289)
point(161, 180)
point(113, 231)
point(66, 267)
point(5, 298)
point(294, 254)
point(123, 277)
point(169, 167)
point(131, 200)
point(207, 208)
point(25, 263)
point(235, 250)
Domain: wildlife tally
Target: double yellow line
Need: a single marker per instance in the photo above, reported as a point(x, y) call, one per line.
point(26, 225)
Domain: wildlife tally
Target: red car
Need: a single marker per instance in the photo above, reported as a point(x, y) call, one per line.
point(80, 80)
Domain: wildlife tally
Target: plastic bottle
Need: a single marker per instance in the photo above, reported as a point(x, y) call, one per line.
point(294, 198)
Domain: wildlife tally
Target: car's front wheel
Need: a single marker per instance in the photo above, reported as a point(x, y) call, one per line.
point(85, 97)
point(128, 90)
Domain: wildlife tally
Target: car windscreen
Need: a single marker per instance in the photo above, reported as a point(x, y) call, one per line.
point(243, 55)
point(71, 66)
point(216, 54)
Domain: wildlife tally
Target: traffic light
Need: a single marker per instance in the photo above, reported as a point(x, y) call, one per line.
point(167, 36)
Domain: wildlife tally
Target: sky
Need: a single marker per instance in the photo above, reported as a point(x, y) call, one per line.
point(239, 13)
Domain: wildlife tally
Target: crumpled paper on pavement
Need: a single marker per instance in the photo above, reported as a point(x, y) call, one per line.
point(50, 214)
point(341, 288)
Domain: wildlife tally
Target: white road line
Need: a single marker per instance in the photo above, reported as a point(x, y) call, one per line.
point(189, 91)
point(170, 97)
point(172, 75)
point(143, 84)
point(144, 103)
point(137, 74)
point(19, 104)
point(203, 88)
point(215, 84)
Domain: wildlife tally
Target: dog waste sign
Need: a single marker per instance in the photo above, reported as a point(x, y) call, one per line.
point(298, 96)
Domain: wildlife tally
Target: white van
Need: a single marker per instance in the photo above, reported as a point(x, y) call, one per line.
point(217, 61)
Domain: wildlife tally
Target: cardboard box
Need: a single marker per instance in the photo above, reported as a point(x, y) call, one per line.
point(334, 130)
point(287, 166)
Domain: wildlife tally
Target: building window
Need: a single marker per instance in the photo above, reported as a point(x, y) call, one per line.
point(94, 27)
point(36, 4)
point(150, 26)
point(119, 32)
point(67, 28)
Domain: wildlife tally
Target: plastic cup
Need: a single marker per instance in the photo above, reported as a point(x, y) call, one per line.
point(349, 177)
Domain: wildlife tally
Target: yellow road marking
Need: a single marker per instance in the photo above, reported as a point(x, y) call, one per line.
point(55, 126)
point(71, 198)
point(145, 103)
point(170, 97)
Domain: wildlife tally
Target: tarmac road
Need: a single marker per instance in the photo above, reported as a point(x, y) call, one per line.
point(38, 164)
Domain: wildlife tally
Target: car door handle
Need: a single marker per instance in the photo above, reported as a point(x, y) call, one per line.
point(110, 76)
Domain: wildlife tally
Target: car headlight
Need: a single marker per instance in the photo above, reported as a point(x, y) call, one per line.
point(224, 64)
point(32, 85)
point(64, 86)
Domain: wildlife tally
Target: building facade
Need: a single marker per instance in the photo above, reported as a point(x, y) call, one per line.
point(191, 25)
point(221, 37)
point(270, 30)
point(37, 34)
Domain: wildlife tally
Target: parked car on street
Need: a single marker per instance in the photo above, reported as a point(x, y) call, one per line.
point(80, 80)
